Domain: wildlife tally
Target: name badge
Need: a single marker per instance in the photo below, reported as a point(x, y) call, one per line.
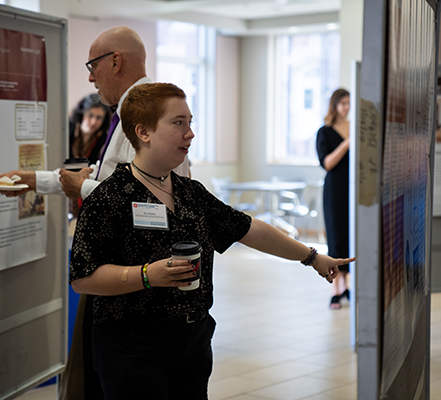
point(149, 216)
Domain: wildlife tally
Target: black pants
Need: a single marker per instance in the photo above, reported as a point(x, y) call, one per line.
point(92, 386)
point(158, 360)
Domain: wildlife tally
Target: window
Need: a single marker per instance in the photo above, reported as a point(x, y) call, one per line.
point(306, 73)
point(30, 5)
point(185, 57)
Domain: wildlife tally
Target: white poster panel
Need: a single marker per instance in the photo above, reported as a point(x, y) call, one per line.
point(23, 111)
point(23, 226)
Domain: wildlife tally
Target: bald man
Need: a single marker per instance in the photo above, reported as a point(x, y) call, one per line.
point(116, 64)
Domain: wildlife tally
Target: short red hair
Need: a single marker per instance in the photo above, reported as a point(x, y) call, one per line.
point(145, 104)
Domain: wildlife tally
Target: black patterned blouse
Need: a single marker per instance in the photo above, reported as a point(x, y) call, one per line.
point(105, 235)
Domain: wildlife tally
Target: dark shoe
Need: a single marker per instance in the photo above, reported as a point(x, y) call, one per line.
point(345, 294)
point(335, 302)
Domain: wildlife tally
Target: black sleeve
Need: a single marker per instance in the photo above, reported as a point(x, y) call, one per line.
point(323, 145)
point(96, 238)
point(226, 225)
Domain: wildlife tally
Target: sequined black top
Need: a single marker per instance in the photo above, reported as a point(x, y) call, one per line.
point(105, 235)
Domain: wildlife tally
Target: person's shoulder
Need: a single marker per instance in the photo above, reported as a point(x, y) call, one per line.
point(324, 129)
point(184, 180)
point(190, 184)
point(118, 177)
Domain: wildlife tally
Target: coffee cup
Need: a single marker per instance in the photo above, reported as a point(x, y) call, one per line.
point(76, 164)
point(188, 250)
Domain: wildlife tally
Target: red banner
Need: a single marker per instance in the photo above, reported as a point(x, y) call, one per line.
point(23, 74)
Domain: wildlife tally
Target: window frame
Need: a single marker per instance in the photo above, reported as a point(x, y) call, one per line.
point(205, 137)
point(275, 138)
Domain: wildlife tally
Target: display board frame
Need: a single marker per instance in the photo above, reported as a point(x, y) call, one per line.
point(402, 371)
point(33, 295)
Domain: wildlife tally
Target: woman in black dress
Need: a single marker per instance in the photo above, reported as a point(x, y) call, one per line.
point(332, 149)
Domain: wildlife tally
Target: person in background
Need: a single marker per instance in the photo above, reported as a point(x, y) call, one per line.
point(151, 339)
point(332, 149)
point(88, 126)
point(116, 64)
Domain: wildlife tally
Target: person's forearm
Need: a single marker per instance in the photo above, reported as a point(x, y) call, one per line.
point(332, 159)
point(266, 238)
point(110, 280)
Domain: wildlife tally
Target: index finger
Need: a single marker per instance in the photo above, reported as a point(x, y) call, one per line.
point(344, 261)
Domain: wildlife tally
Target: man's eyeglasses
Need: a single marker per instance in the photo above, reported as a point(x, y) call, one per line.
point(89, 63)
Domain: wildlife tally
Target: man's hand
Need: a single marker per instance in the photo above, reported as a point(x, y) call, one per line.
point(71, 182)
point(27, 177)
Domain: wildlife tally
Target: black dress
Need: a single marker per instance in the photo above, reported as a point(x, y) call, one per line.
point(335, 195)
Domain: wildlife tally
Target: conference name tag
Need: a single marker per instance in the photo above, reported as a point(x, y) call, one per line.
point(149, 216)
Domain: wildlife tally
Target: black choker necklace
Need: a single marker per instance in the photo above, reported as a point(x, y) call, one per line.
point(161, 178)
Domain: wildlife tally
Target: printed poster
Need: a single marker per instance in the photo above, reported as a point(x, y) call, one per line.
point(23, 112)
point(410, 92)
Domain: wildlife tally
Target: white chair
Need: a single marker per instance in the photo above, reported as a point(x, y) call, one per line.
point(227, 197)
point(313, 198)
point(307, 205)
point(292, 208)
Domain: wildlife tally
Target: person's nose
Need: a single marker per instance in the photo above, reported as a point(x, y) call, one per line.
point(91, 77)
point(189, 134)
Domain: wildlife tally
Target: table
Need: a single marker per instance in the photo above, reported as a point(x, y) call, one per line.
point(269, 189)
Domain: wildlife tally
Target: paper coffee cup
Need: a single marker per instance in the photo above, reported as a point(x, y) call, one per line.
point(76, 164)
point(189, 251)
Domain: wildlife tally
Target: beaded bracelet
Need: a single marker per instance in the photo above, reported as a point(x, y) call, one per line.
point(311, 257)
point(145, 279)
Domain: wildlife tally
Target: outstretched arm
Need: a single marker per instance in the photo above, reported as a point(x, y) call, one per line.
point(266, 238)
point(27, 177)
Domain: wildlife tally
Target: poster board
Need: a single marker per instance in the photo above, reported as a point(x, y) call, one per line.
point(33, 291)
point(394, 207)
point(23, 109)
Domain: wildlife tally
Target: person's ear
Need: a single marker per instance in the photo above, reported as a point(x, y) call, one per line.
point(143, 133)
point(117, 62)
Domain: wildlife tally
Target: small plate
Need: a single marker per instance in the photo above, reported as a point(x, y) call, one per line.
point(18, 186)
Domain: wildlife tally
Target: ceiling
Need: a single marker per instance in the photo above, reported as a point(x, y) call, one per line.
point(240, 16)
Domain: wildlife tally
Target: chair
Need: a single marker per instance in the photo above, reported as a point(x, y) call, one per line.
point(225, 195)
point(313, 197)
point(292, 207)
point(307, 206)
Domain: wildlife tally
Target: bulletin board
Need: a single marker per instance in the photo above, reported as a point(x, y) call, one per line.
point(395, 152)
point(34, 250)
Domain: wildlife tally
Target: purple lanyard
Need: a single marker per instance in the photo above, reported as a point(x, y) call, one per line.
point(113, 123)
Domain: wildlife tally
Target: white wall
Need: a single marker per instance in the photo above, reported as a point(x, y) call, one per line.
point(227, 99)
point(82, 33)
point(351, 30)
point(57, 8)
point(227, 114)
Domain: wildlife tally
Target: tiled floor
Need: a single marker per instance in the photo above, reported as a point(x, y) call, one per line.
point(276, 339)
